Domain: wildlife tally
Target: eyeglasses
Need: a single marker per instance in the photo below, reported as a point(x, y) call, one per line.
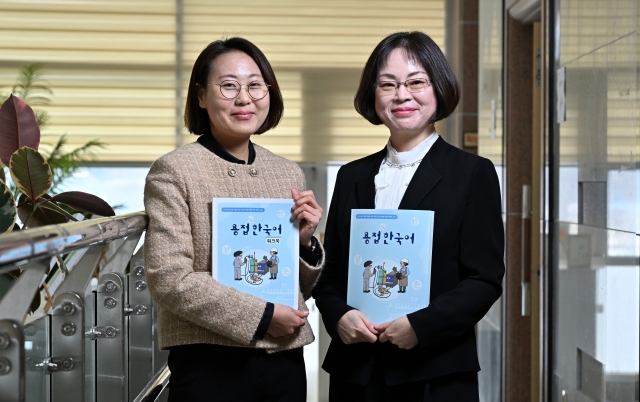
point(230, 89)
point(412, 85)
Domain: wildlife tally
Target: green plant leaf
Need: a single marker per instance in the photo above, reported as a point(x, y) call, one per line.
point(2, 176)
point(30, 172)
point(84, 202)
point(31, 87)
point(40, 217)
point(8, 210)
point(18, 128)
point(42, 117)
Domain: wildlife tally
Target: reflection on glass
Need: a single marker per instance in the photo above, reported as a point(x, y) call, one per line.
point(90, 348)
point(568, 196)
point(623, 194)
point(37, 349)
point(490, 80)
point(597, 315)
point(490, 59)
point(489, 331)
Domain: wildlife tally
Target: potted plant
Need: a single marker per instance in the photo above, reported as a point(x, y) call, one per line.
point(32, 202)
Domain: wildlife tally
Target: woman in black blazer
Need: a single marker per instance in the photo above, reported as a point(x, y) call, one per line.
point(429, 355)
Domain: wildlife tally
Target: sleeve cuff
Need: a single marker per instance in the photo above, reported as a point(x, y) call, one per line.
point(421, 333)
point(264, 322)
point(311, 255)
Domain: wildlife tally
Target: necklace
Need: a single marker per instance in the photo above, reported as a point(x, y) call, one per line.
point(406, 165)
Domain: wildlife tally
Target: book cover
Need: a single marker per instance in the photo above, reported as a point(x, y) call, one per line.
point(255, 247)
point(389, 262)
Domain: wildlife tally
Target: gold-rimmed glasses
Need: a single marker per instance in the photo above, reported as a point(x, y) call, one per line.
point(230, 89)
point(412, 85)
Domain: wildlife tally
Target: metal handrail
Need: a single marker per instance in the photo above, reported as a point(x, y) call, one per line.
point(157, 384)
point(31, 250)
point(21, 246)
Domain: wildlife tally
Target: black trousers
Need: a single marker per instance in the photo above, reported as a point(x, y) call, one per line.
point(214, 373)
point(458, 387)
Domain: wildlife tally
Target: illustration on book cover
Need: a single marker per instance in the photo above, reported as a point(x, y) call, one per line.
point(389, 262)
point(255, 248)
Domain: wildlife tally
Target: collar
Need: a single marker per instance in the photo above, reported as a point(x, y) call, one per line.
point(423, 181)
point(418, 152)
point(207, 141)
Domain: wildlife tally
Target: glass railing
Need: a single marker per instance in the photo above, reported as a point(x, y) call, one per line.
point(96, 339)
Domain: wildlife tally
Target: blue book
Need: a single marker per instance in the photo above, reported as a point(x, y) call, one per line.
point(389, 262)
point(255, 247)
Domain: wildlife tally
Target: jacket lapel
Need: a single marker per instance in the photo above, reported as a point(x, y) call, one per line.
point(424, 180)
point(365, 186)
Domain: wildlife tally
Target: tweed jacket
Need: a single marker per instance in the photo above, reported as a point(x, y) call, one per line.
point(193, 307)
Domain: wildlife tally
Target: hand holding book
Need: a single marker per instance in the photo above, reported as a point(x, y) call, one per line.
point(355, 327)
point(307, 212)
point(399, 332)
point(285, 320)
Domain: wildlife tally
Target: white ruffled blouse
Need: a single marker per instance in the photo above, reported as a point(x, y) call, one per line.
point(396, 171)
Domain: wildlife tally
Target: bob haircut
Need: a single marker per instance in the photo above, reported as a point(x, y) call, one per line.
point(421, 48)
point(196, 118)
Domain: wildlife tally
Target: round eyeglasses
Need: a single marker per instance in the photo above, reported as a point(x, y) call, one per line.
point(230, 89)
point(412, 85)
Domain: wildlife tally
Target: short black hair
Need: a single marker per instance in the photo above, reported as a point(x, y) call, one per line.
point(196, 118)
point(237, 253)
point(367, 263)
point(423, 49)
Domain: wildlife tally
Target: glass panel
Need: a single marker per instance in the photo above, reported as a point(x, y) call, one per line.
point(595, 333)
point(596, 326)
point(490, 80)
point(37, 348)
point(90, 348)
point(490, 60)
point(489, 332)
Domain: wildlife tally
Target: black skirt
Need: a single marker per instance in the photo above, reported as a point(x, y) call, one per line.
point(205, 372)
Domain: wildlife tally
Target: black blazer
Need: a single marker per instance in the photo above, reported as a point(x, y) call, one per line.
point(467, 265)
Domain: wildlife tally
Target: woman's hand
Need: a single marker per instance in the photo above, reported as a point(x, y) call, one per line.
point(285, 320)
point(355, 327)
point(399, 332)
point(307, 212)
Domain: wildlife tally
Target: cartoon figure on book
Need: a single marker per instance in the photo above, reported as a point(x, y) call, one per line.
point(237, 265)
point(273, 263)
point(383, 280)
point(366, 275)
point(254, 269)
point(403, 275)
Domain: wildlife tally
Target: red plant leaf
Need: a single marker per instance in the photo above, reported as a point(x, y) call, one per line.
point(41, 217)
point(18, 128)
point(84, 202)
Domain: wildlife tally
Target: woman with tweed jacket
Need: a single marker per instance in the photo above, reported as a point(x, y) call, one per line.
point(225, 344)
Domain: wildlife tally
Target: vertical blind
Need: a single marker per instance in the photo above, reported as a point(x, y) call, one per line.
point(119, 70)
